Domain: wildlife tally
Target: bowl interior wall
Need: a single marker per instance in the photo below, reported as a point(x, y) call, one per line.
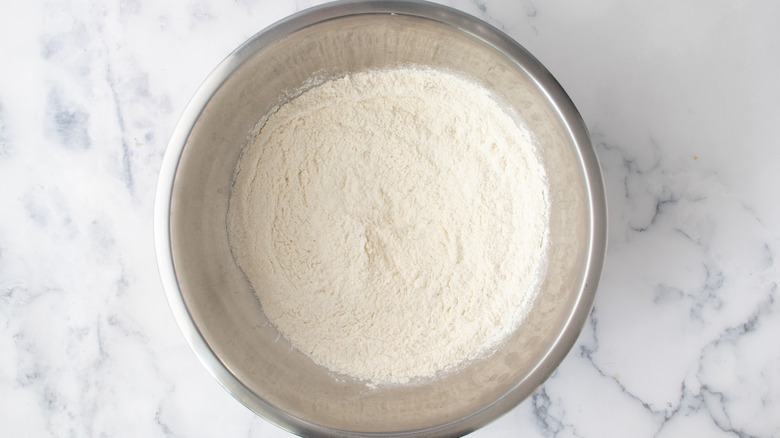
point(219, 298)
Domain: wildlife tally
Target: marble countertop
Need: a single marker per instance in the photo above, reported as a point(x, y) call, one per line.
point(683, 103)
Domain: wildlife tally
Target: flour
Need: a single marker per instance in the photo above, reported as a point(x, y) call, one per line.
point(392, 223)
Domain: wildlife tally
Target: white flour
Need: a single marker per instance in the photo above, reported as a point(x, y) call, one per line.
point(392, 223)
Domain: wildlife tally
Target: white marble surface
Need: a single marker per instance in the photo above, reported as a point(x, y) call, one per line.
point(683, 101)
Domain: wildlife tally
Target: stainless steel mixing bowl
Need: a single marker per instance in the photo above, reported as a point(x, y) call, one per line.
point(211, 300)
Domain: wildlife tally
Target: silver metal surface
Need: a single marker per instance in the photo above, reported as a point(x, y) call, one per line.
point(212, 301)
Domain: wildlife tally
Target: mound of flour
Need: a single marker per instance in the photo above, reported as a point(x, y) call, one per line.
point(392, 223)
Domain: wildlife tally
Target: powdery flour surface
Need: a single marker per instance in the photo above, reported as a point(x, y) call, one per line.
point(392, 223)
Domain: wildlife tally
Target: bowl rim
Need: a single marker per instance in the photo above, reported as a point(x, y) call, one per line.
point(460, 21)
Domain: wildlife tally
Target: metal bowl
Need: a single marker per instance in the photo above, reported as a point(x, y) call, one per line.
point(212, 301)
